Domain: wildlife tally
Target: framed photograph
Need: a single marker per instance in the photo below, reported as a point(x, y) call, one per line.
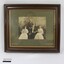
point(32, 27)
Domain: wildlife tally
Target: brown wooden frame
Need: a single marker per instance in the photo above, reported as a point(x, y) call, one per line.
point(31, 6)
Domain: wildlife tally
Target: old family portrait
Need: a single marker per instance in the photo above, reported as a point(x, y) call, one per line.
point(32, 27)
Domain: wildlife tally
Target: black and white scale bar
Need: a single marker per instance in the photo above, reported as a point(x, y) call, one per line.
point(6, 61)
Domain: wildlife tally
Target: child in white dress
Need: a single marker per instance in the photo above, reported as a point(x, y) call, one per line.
point(24, 34)
point(40, 33)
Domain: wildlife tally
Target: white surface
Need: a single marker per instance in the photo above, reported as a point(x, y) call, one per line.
point(31, 58)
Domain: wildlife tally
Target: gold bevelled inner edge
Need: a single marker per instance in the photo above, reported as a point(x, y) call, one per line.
point(27, 46)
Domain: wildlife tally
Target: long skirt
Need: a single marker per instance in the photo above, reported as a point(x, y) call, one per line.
point(39, 36)
point(23, 36)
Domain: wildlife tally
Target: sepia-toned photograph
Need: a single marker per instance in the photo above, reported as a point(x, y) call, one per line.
point(32, 27)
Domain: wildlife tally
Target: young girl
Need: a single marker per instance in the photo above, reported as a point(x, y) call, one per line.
point(40, 33)
point(24, 34)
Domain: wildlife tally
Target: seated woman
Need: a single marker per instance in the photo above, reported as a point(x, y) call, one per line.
point(40, 33)
point(24, 34)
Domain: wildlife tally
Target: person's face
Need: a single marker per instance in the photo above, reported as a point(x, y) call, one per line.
point(33, 25)
point(39, 26)
point(25, 27)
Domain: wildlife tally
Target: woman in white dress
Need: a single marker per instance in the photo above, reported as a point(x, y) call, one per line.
point(24, 34)
point(40, 33)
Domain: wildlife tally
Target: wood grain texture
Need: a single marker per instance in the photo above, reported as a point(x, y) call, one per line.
point(55, 49)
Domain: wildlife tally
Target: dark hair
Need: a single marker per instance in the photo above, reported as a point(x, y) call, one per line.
point(24, 26)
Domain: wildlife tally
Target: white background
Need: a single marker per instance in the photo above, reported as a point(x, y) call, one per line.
point(31, 58)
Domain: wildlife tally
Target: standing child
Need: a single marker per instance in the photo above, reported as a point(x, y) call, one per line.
point(24, 34)
point(40, 33)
